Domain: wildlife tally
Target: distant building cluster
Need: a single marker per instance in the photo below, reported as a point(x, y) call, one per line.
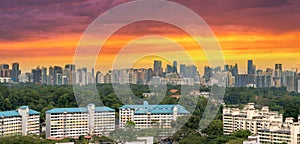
point(229, 76)
point(267, 126)
point(87, 121)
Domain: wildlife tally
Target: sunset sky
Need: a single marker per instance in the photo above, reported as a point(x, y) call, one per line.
point(47, 32)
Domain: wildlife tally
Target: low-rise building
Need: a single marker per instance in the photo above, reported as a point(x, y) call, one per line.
point(149, 116)
point(269, 125)
point(22, 121)
point(74, 122)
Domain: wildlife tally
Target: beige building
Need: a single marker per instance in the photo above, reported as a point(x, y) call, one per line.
point(268, 125)
point(21, 121)
point(74, 122)
point(149, 116)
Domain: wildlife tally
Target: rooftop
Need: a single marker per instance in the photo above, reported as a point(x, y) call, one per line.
point(79, 110)
point(155, 109)
point(13, 113)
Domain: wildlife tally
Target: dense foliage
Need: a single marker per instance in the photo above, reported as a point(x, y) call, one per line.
point(43, 98)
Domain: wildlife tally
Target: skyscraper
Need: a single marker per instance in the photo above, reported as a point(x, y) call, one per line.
point(157, 67)
point(182, 69)
point(4, 70)
point(51, 76)
point(15, 72)
point(227, 68)
point(44, 75)
point(36, 74)
point(235, 70)
point(250, 67)
point(208, 72)
point(169, 69)
point(57, 74)
point(278, 75)
point(175, 66)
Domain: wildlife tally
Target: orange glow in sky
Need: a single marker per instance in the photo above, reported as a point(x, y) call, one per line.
point(260, 38)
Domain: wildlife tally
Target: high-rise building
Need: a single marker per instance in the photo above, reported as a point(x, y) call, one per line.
point(244, 80)
point(93, 72)
point(57, 72)
point(74, 122)
point(44, 77)
point(249, 68)
point(190, 71)
point(169, 69)
point(235, 70)
point(227, 68)
point(36, 75)
point(175, 66)
point(15, 72)
point(99, 77)
point(290, 83)
point(149, 74)
point(4, 70)
point(208, 73)
point(278, 75)
point(157, 69)
point(70, 67)
point(51, 76)
point(182, 69)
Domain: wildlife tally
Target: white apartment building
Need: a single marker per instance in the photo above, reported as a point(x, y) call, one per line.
point(268, 125)
point(74, 122)
point(21, 121)
point(149, 116)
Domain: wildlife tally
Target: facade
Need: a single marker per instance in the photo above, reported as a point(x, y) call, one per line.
point(21, 121)
point(268, 125)
point(74, 122)
point(149, 116)
point(252, 140)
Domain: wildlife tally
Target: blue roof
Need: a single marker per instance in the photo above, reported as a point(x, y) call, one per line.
point(155, 109)
point(78, 110)
point(9, 113)
point(13, 113)
point(33, 112)
point(68, 110)
point(100, 109)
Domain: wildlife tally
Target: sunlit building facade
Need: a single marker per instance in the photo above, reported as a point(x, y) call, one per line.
point(74, 122)
point(150, 116)
point(268, 125)
point(22, 121)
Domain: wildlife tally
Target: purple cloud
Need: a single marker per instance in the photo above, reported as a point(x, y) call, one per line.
point(35, 19)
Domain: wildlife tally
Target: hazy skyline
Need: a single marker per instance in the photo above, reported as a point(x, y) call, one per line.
point(47, 32)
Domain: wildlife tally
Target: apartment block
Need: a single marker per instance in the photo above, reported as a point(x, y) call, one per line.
point(268, 125)
point(149, 116)
point(22, 121)
point(74, 122)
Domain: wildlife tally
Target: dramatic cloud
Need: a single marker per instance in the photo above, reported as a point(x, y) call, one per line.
point(244, 28)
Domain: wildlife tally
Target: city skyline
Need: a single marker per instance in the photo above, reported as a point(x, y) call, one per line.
point(242, 68)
